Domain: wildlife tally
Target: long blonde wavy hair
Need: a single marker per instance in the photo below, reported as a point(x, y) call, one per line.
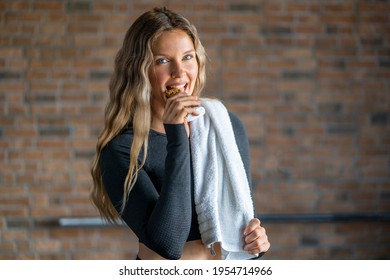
point(130, 93)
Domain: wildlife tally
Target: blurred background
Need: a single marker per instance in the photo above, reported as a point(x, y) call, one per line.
point(309, 79)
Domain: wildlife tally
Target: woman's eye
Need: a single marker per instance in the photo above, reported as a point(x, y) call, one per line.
point(187, 57)
point(161, 61)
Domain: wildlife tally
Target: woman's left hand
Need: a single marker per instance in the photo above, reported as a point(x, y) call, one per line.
point(255, 238)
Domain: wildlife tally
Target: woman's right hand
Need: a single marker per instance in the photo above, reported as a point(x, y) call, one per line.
point(178, 107)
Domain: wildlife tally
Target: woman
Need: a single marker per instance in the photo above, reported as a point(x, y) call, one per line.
point(142, 168)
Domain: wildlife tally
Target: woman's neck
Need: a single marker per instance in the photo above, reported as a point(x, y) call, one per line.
point(157, 123)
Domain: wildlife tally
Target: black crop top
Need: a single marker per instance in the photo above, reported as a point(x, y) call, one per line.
point(160, 209)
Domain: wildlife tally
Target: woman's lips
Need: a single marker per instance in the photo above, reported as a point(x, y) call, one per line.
point(182, 87)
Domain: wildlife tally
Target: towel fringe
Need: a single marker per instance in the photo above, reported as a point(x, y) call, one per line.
point(212, 250)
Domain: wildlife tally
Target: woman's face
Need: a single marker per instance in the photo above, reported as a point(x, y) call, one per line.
point(174, 65)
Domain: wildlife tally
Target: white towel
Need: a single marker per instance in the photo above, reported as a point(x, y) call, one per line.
point(222, 195)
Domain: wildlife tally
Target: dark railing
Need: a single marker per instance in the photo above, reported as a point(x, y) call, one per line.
point(324, 217)
point(265, 218)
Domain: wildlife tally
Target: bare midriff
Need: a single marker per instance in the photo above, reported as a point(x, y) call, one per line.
point(193, 250)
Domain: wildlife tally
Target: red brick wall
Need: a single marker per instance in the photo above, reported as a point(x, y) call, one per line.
point(310, 80)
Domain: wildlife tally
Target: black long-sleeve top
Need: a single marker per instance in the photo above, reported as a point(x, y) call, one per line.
point(160, 209)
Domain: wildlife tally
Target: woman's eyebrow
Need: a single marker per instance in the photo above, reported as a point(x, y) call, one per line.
point(163, 54)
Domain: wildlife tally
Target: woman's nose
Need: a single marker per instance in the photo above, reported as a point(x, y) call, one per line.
point(177, 70)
